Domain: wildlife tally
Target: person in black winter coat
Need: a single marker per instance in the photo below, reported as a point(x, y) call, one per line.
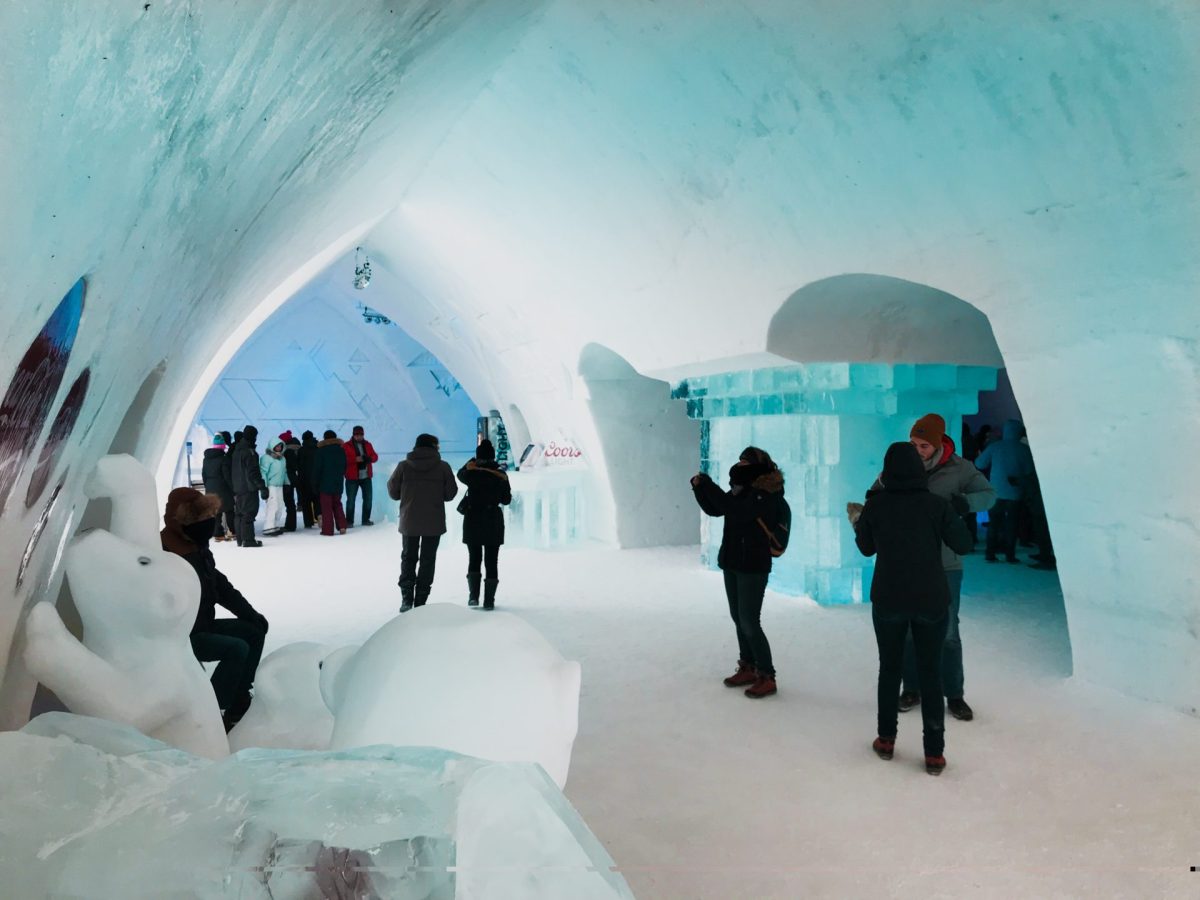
point(329, 475)
point(236, 644)
point(217, 473)
point(248, 486)
point(483, 521)
point(753, 511)
point(291, 461)
point(306, 478)
point(904, 526)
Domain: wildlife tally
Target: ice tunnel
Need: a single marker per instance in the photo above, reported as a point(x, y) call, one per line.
point(638, 238)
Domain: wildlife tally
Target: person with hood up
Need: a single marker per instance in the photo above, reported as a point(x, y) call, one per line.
point(248, 486)
point(953, 479)
point(360, 460)
point(1011, 464)
point(274, 473)
point(905, 527)
point(291, 461)
point(306, 482)
point(423, 484)
point(329, 472)
point(755, 511)
point(483, 521)
point(217, 473)
point(235, 644)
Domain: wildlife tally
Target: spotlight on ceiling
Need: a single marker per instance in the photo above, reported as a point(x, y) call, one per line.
point(362, 269)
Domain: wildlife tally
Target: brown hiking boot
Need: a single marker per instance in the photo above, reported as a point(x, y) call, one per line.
point(764, 686)
point(745, 674)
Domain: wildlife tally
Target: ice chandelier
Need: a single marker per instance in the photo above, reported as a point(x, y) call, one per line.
point(362, 270)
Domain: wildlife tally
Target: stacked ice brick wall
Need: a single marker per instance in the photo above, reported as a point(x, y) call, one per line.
point(827, 425)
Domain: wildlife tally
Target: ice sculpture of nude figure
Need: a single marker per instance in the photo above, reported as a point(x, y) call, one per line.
point(137, 603)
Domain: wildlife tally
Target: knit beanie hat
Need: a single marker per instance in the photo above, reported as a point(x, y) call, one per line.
point(218, 440)
point(485, 451)
point(426, 440)
point(930, 428)
point(286, 436)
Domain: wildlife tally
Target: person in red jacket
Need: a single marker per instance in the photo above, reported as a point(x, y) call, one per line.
point(360, 456)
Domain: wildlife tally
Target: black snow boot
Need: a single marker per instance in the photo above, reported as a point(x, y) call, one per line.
point(406, 598)
point(473, 580)
point(489, 593)
point(422, 595)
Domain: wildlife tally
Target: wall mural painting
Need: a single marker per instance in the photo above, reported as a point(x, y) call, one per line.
point(64, 424)
point(38, 528)
point(31, 392)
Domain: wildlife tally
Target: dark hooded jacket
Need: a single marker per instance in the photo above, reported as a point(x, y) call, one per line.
point(247, 477)
point(745, 546)
point(291, 459)
point(188, 526)
point(217, 472)
point(329, 470)
point(306, 461)
point(487, 490)
point(423, 484)
point(905, 526)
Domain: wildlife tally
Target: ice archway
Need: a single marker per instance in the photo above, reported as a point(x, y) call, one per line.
point(651, 179)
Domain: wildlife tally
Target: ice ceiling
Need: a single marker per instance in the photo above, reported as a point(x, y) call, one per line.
point(657, 179)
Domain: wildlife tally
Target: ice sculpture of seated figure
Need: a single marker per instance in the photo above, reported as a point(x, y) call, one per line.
point(137, 604)
point(288, 711)
point(443, 676)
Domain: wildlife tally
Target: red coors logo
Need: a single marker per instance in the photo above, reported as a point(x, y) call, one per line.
point(557, 452)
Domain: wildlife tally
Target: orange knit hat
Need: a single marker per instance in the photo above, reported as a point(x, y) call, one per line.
point(930, 428)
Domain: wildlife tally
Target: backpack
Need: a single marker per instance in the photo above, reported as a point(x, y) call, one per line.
point(777, 540)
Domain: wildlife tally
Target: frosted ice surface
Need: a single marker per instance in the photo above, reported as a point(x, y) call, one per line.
point(94, 809)
point(137, 604)
point(485, 684)
point(288, 711)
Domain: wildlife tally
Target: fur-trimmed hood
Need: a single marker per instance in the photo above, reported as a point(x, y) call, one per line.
point(770, 482)
point(329, 442)
point(184, 507)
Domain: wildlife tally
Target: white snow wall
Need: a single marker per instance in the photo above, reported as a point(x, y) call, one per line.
point(657, 178)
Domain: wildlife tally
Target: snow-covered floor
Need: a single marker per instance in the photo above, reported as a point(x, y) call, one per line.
point(1057, 789)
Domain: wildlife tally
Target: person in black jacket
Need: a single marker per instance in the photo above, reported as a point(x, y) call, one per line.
point(306, 478)
point(329, 476)
point(217, 473)
point(483, 521)
point(236, 644)
point(291, 461)
point(752, 508)
point(904, 526)
point(248, 486)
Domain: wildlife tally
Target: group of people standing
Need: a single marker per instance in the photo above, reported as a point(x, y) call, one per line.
point(301, 481)
point(913, 522)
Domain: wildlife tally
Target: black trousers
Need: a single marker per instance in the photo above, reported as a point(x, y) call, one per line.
point(479, 555)
point(237, 648)
point(226, 519)
point(744, 591)
point(289, 504)
point(309, 505)
point(247, 509)
point(420, 549)
point(929, 635)
point(1002, 528)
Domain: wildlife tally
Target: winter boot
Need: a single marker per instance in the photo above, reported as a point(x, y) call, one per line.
point(745, 674)
point(884, 748)
point(959, 709)
point(473, 582)
point(406, 598)
point(908, 700)
point(489, 593)
point(935, 764)
point(421, 595)
point(764, 686)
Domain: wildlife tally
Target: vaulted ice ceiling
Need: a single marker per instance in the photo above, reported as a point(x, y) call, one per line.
point(657, 178)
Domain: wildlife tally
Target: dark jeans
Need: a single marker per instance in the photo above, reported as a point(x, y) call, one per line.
point(308, 506)
point(247, 509)
point(352, 489)
point(952, 657)
point(744, 591)
point(1002, 528)
point(421, 549)
point(225, 518)
point(289, 503)
point(331, 513)
point(483, 554)
point(237, 647)
point(928, 634)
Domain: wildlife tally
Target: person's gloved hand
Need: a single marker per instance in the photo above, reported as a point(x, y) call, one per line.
point(697, 478)
point(960, 504)
point(265, 493)
point(854, 512)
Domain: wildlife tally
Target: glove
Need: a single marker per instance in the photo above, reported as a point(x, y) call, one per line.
point(696, 479)
point(265, 494)
point(960, 504)
point(854, 512)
